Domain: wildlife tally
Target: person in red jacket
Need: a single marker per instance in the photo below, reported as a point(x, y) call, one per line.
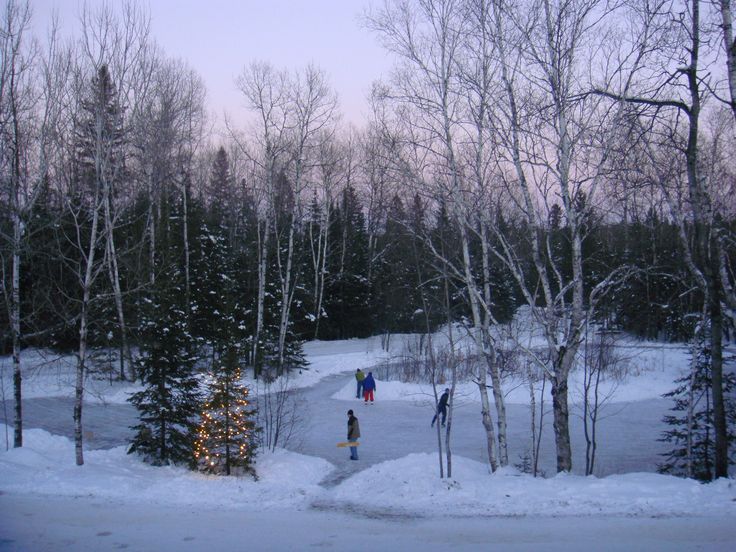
point(369, 386)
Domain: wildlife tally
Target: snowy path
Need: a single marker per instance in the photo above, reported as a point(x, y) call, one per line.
point(46, 524)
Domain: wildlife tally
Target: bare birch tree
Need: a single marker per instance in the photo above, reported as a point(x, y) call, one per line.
point(553, 147)
point(428, 38)
point(118, 41)
point(266, 93)
point(16, 111)
point(671, 106)
point(314, 108)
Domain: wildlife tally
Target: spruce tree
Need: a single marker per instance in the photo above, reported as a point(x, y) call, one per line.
point(691, 424)
point(395, 285)
point(348, 289)
point(169, 404)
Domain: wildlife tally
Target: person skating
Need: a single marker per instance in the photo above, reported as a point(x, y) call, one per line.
point(369, 387)
point(359, 378)
point(353, 434)
point(442, 408)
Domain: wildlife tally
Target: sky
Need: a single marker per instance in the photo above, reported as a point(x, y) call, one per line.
point(218, 38)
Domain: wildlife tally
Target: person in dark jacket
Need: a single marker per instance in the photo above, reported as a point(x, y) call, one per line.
point(369, 387)
point(353, 434)
point(442, 408)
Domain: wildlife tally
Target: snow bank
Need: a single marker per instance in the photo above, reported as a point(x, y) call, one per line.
point(412, 485)
point(45, 466)
point(651, 369)
point(334, 357)
point(648, 371)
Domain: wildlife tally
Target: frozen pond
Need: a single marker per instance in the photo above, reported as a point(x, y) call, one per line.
point(627, 432)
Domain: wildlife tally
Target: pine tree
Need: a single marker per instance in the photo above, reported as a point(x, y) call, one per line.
point(169, 404)
point(220, 184)
point(691, 426)
point(348, 288)
point(226, 439)
point(395, 297)
point(293, 353)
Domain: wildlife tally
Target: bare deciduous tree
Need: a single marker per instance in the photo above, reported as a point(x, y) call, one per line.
point(16, 114)
point(671, 104)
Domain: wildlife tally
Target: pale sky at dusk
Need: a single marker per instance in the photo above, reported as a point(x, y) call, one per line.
point(218, 38)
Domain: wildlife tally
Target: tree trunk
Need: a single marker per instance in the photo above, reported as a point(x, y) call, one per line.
point(532, 419)
point(561, 422)
point(15, 327)
point(730, 46)
point(320, 269)
point(287, 294)
point(114, 274)
point(262, 262)
point(720, 425)
point(185, 236)
point(13, 39)
point(151, 233)
point(538, 445)
point(488, 424)
point(490, 353)
point(83, 328)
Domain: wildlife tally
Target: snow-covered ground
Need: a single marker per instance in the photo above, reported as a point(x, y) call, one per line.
point(392, 499)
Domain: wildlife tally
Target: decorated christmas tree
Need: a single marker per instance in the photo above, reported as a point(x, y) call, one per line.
point(226, 439)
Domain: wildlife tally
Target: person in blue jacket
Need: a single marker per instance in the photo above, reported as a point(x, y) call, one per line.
point(369, 387)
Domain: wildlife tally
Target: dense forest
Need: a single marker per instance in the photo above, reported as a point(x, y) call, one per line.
point(572, 157)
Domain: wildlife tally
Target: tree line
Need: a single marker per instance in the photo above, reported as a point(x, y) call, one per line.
point(572, 157)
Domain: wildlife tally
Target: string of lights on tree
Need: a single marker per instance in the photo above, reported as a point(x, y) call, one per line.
point(225, 442)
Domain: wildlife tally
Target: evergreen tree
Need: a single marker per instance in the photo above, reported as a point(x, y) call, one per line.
point(99, 137)
point(427, 298)
point(293, 354)
point(348, 288)
point(691, 426)
point(395, 297)
point(220, 184)
point(226, 439)
point(169, 404)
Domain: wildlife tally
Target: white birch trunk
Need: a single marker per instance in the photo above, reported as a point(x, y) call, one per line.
point(262, 273)
point(185, 232)
point(287, 293)
point(481, 353)
point(87, 282)
point(730, 46)
point(323, 272)
point(319, 264)
point(532, 418)
point(151, 233)
point(15, 313)
point(114, 276)
point(490, 354)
